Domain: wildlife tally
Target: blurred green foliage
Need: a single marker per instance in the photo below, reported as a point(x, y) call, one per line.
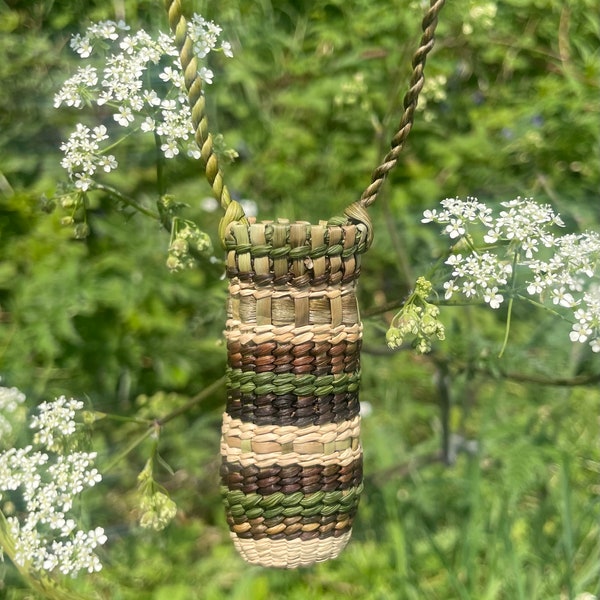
point(310, 102)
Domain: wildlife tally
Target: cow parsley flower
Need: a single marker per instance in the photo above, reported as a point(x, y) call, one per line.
point(10, 400)
point(122, 83)
point(518, 252)
point(45, 478)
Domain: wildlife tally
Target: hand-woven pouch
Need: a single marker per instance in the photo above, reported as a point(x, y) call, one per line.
point(291, 457)
point(291, 473)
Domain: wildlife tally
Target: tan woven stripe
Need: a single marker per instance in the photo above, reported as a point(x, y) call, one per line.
point(245, 333)
point(322, 439)
point(290, 554)
point(264, 305)
point(266, 445)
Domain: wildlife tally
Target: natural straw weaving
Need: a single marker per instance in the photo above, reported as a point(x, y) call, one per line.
point(291, 457)
point(291, 468)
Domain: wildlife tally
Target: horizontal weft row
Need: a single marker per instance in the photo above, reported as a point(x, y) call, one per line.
point(289, 399)
point(316, 357)
point(295, 254)
point(266, 306)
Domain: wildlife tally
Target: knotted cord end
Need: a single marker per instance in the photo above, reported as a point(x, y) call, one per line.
point(357, 213)
point(234, 213)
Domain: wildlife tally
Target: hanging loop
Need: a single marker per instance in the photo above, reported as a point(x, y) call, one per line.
point(233, 211)
point(197, 102)
point(411, 99)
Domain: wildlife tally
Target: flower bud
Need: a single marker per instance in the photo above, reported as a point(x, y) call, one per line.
point(429, 324)
point(393, 337)
point(178, 247)
point(173, 263)
point(408, 321)
point(423, 288)
point(81, 231)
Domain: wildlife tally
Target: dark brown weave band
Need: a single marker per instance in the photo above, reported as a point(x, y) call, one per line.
point(290, 479)
point(317, 358)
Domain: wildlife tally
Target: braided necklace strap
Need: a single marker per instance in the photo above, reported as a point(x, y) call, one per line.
point(411, 99)
point(197, 102)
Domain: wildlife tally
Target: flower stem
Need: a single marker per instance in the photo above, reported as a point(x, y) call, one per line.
point(126, 200)
point(507, 328)
point(160, 178)
point(205, 393)
point(134, 444)
point(513, 285)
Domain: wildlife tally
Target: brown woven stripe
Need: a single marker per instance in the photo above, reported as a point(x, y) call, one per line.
point(290, 479)
point(289, 409)
point(318, 358)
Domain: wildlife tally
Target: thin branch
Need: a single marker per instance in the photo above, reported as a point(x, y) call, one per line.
point(201, 396)
point(126, 200)
point(498, 373)
point(404, 469)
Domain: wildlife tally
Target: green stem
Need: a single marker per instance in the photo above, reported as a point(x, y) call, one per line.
point(160, 171)
point(121, 139)
point(120, 418)
point(513, 287)
point(507, 328)
point(126, 200)
point(156, 424)
point(543, 306)
point(132, 446)
point(205, 393)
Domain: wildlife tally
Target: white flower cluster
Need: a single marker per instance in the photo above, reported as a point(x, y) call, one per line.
point(134, 62)
point(205, 36)
point(562, 269)
point(44, 535)
point(10, 399)
point(83, 156)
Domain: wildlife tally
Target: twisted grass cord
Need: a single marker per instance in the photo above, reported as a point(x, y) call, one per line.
point(193, 84)
point(411, 98)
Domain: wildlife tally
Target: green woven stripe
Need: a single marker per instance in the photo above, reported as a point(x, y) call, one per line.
point(299, 252)
point(253, 506)
point(261, 384)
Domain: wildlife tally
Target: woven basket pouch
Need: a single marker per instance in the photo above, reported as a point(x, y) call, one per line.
point(291, 473)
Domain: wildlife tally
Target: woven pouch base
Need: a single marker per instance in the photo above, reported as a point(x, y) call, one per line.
point(290, 554)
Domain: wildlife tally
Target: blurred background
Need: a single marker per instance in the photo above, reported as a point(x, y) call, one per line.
point(482, 474)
